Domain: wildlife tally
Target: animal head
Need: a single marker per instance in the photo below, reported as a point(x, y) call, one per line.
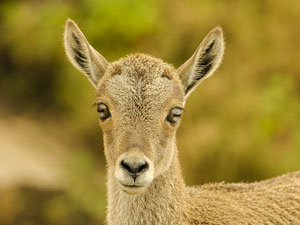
point(140, 100)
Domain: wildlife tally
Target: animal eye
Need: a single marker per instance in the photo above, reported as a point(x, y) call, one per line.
point(174, 115)
point(103, 111)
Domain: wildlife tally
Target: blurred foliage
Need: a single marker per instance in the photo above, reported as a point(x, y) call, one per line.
point(241, 125)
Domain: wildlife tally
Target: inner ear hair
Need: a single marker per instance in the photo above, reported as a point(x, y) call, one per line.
point(203, 65)
point(79, 56)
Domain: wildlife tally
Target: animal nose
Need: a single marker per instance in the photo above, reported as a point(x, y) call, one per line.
point(134, 167)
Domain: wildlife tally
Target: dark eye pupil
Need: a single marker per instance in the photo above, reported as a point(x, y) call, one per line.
point(103, 111)
point(174, 115)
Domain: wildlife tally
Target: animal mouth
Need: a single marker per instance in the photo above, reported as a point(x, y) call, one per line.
point(131, 186)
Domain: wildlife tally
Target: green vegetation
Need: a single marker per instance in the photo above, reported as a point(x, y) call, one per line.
point(240, 125)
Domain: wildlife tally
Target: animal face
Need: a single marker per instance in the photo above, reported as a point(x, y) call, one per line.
point(144, 99)
point(140, 100)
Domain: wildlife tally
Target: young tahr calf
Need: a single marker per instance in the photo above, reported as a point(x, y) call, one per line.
point(140, 101)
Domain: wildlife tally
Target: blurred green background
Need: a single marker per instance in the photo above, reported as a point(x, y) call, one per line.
point(241, 125)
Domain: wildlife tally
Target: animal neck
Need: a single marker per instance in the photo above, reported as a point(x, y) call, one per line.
point(162, 202)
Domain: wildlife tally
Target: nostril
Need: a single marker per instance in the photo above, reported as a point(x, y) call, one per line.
point(143, 167)
point(125, 166)
point(134, 167)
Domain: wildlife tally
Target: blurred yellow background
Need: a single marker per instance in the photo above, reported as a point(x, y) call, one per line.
point(242, 124)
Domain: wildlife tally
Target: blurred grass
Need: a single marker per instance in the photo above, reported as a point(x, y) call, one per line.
point(246, 117)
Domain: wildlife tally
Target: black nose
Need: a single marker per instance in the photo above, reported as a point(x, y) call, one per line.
point(134, 167)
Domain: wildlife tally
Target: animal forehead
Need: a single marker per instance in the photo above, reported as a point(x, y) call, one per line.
point(141, 66)
point(141, 83)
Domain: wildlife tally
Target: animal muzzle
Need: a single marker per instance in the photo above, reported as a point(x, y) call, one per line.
point(134, 171)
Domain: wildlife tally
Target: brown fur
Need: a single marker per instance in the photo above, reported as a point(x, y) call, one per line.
point(140, 92)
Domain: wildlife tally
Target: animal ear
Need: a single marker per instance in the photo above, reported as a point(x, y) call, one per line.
point(82, 55)
point(203, 62)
